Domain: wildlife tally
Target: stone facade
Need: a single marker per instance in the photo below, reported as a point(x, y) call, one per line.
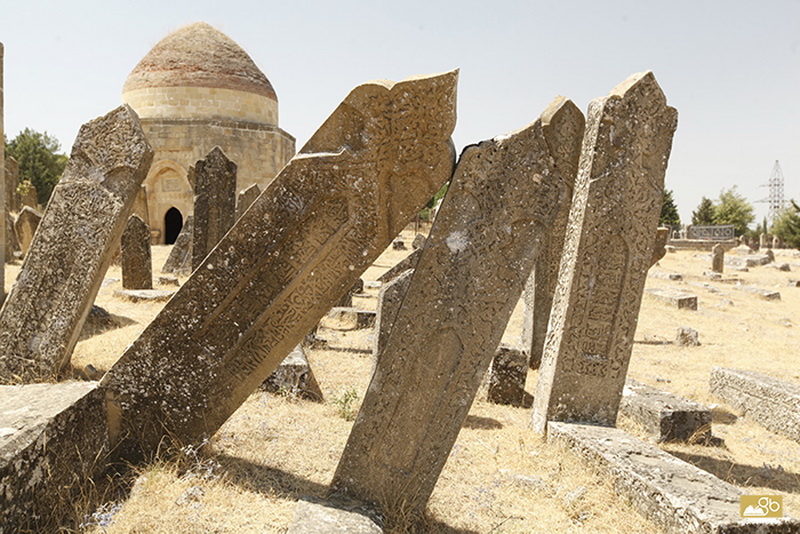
point(197, 89)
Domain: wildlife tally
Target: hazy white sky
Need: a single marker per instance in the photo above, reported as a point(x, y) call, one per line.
point(731, 68)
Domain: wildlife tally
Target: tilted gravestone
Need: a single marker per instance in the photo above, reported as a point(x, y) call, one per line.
point(659, 248)
point(41, 319)
point(717, 258)
point(607, 252)
point(181, 250)
point(309, 236)
point(12, 244)
point(541, 285)
point(25, 227)
point(246, 199)
point(12, 182)
point(137, 265)
point(214, 202)
point(504, 194)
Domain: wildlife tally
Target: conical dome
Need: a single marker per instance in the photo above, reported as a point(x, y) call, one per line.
point(199, 55)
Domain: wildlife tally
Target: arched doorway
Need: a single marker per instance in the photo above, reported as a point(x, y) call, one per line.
point(173, 222)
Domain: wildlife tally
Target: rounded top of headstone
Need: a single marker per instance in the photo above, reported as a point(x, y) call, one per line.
point(199, 55)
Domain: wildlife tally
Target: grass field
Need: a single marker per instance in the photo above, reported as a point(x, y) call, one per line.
point(500, 477)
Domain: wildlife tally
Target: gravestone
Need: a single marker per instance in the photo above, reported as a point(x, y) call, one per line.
point(246, 198)
point(25, 227)
point(30, 197)
point(718, 258)
point(42, 317)
point(137, 266)
point(390, 297)
point(214, 202)
point(776, 242)
point(660, 247)
point(181, 250)
point(762, 241)
point(419, 242)
point(12, 244)
point(504, 194)
point(12, 182)
point(308, 237)
point(507, 377)
point(607, 252)
point(687, 337)
point(409, 262)
point(294, 377)
point(541, 285)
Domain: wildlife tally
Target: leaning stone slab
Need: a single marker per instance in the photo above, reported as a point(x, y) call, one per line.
point(25, 227)
point(481, 248)
point(607, 252)
point(507, 377)
point(659, 248)
point(541, 285)
point(304, 242)
point(144, 295)
point(294, 377)
point(409, 262)
point(137, 264)
point(320, 517)
point(678, 496)
point(52, 442)
point(766, 294)
point(214, 202)
point(390, 298)
point(42, 317)
point(770, 402)
point(12, 243)
point(246, 199)
point(181, 250)
point(665, 416)
point(678, 299)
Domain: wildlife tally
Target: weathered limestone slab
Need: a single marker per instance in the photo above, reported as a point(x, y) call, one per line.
point(390, 298)
point(507, 377)
point(30, 197)
point(678, 496)
point(419, 242)
point(717, 258)
point(607, 252)
point(246, 199)
point(137, 263)
point(144, 295)
point(12, 244)
point(675, 277)
point(659, 250)
point(766, 294)
point(667, 417)
point(679, 299)
point(181, 250)
point(308, 237)
point(25, 227)
point(743, 250)
point(168, 281)
point(294, 377)
point(409, 262)
point(50, 438)
point(504, 194)
point(214, 202)
point(42, 317)
point(318, 517)
point(753, 260)
point(687, 337)
point(541, 285)
point(770, 402)
point(351, 318)
point(12, 182)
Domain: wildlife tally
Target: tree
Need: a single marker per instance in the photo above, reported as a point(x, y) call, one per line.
point(669, 211)
point(787, 226)
point(733, 208)
point(39, 160)
point(704, 214)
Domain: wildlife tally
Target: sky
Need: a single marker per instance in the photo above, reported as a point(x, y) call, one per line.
point(731, 68)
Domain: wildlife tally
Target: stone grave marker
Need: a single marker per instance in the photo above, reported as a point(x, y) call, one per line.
point(12, 182)
point(30, 197)
point(137, 267)
point(504, 194)
point(607, 252)
point(541, 285)
point(42, 317)
point(390, 297)
point(12, 244)
point(507, 377)
point(181, 250)
point(25, 226)
point(718, 258)
point(214, 202)
point(660, 247)
point(307, 238)
point(246, 199)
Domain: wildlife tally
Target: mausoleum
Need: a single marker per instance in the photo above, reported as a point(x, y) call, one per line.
point(197, 89)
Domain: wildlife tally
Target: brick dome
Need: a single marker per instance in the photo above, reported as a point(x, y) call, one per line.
point(199, 55)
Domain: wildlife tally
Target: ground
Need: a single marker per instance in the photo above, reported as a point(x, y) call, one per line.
point(500, 477)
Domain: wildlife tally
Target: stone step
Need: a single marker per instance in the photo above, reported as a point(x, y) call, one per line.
point(678, 496)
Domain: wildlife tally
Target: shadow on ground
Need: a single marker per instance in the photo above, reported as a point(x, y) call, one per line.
point(745, 475)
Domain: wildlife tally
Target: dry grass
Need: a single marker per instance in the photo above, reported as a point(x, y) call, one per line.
point(500, 478)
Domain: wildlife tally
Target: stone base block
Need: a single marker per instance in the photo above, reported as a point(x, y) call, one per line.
point(674, 494)
point(53, 440)
point(665, 416)
point(294, 377)
point(144, 295)
point(319, 517)
point(766, 294)
point(350, 318)
point(168, 281)
point(768, 401)
point(507, 378)
point(679, 299)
